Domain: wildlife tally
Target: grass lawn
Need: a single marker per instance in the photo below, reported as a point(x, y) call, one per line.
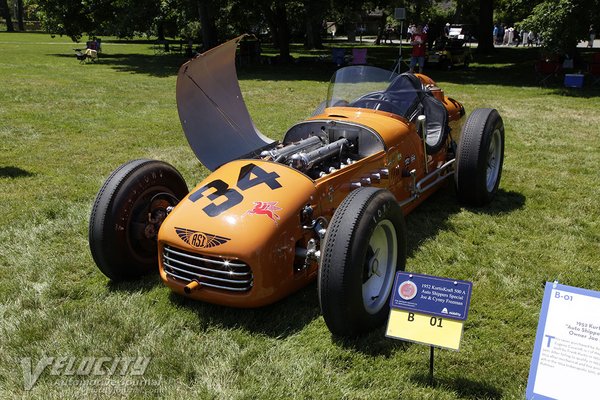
point(65, 126)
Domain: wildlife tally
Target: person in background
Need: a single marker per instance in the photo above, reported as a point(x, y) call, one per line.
point(388, 32)
point(532, 39)
point(592, 33)
point(419, 45)
point(525, 37)
point(409, 31)
point(500, 35)
point(516, 37)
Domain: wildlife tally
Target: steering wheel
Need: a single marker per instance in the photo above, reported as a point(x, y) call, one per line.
point(377, 104)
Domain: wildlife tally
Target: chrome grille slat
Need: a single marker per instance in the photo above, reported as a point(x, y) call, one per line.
point(207, 284)
point(178, 276)
point(209, 271)
point(202, 277)
point(206, 269)
point(207, 260)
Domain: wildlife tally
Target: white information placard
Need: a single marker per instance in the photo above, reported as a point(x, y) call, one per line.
point(566, 356)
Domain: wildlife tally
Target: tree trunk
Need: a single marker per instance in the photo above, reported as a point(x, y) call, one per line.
point(160, 31)
point(458, 13)
point(419, 11)
point(381, 29)
point(6, 14)
point(350, 28)
point(350, 18)
point(486, 27)
point(209, 31)
point(20, 12)
point(314, 17)
point(283, 32)
point(272, 22)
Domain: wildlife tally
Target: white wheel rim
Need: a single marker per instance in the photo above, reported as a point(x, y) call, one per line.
point(380, 266)
point(493, 160)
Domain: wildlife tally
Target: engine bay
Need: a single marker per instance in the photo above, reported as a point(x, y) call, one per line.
point(320, 147)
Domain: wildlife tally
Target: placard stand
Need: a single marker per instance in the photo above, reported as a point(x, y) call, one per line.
point(399, 14)
point(431, 365)
point(429, 310)
point(398, 66)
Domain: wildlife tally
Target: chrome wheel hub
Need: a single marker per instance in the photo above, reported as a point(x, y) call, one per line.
point(380, 266)
point(493, 160)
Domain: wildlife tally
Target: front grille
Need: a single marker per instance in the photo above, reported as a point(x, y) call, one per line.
point(213, 272)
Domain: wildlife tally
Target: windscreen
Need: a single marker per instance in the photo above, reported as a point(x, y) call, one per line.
point(376, 89)
point(350, 83)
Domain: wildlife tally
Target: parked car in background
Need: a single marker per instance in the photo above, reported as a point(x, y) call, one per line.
point(453, 50)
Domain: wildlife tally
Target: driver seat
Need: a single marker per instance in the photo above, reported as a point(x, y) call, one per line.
point(408, 86)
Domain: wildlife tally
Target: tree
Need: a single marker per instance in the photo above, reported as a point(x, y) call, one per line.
point(6, 14)
point(561, 24)
point(283, 32)
point(467, 12)
point(20, 12)
point(123, 18)
point(314, 11)
point(481, 14)
point(71, 18)
point(420, 6)
point(207, 22)
point(347, 13)
point(513, 11)
point(485, 39)
point(275, 14)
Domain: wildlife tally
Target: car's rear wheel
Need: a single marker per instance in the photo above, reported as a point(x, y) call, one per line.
point(364, 246)
point(480, 157)
point(127, 214)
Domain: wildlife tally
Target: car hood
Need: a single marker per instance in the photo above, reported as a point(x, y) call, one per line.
point(259, 209)
point(213, 114)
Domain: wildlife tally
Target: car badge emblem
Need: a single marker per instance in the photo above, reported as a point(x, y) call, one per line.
point(268, 208)
point(200, 240)
point(407, 290)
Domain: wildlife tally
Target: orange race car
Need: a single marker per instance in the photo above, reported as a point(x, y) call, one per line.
point(327, 202)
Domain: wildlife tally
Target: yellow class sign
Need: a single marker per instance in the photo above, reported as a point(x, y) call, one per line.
point(425, 329)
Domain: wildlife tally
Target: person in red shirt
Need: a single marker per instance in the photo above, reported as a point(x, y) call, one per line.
point(419, 45)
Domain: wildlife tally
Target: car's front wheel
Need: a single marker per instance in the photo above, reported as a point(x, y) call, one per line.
point(364, 246)
point(126, 216)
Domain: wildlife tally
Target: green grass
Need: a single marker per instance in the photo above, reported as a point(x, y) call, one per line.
point(64, 127)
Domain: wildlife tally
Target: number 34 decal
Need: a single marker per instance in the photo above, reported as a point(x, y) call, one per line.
point(250, 175)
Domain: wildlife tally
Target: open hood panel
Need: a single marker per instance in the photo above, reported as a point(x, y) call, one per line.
point(213, 114)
